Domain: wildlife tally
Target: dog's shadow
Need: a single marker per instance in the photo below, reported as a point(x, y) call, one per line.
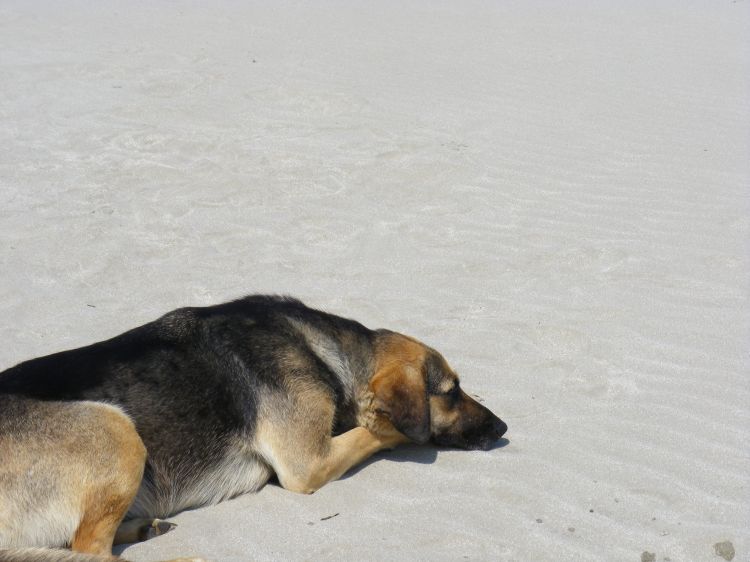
point(422, 454)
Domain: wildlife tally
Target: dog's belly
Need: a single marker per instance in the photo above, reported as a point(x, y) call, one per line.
point(240, 471)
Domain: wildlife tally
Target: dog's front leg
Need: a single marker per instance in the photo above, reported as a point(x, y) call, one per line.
point(343, 452)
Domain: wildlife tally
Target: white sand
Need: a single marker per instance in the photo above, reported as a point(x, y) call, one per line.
point(556, 198)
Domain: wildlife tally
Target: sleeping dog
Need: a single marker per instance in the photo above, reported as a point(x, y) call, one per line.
point(98, 444)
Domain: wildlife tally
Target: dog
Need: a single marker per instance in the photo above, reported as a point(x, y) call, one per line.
point(98, 445)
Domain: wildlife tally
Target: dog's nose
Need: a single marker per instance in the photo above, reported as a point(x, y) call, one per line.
point(500, 427)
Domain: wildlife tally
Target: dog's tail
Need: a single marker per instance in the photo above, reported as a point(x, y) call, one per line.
point(59, 555)
point(51, 555)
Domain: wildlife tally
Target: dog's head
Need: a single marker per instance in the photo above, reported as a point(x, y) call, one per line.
point(415, 388)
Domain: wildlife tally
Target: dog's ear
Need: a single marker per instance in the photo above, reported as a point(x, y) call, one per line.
point(401, 395)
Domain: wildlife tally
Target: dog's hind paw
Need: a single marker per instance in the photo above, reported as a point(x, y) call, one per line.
point(157, 527)
point(139, 530)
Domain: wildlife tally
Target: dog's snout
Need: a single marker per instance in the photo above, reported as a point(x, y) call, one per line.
point(500, 427)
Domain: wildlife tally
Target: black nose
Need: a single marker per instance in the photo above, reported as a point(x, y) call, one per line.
point(500, 427)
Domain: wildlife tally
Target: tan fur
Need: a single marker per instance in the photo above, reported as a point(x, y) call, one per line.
point(83, 462)
point(294, 436)
point(52, 555)
point(393, 349)
point(442, 414)
point(107, 498)
point(309, 466)
point(63, 456)
point(57, 555)
point(398, 385)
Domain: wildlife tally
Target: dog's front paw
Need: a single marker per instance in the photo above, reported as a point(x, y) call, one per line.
point(392, 439)
point(382, 428)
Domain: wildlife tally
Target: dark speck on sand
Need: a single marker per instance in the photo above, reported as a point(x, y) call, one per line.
point(724, 549)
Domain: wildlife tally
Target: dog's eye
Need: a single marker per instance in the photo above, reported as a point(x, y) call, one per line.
point(453, 390)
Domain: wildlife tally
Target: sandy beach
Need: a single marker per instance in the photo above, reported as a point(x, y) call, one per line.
point(555, 197)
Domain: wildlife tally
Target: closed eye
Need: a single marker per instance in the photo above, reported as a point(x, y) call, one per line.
point(453, 390)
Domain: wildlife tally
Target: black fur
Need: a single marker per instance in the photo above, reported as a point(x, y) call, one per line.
point(190, 379)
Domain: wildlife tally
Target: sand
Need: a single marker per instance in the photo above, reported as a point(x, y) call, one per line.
point(555, 197)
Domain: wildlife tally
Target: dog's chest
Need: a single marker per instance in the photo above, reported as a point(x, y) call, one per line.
point(239, 471)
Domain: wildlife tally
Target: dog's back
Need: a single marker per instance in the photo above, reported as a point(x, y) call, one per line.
point(73, 424)
point(191, 382)
point(221, 397)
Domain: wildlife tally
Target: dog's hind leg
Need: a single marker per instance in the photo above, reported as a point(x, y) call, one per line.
point(109, 491)
point(69, 472)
